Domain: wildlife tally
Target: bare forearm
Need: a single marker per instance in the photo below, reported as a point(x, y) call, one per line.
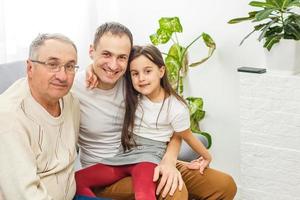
point(172, 150)
point(195, 144)
point(170, 176)
point(198, 147)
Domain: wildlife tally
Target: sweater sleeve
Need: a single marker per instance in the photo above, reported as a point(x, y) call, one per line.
point(18, 170)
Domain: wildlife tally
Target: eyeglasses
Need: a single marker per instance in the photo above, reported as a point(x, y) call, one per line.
point(54, 66)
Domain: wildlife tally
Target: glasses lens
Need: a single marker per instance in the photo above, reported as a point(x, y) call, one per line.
point(56, 67)
point(70, 67)
point(53, 66)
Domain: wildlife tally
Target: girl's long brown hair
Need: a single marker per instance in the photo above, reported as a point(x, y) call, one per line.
point(131, 97)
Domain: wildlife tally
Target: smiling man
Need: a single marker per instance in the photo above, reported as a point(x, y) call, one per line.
point(102, 112)
point(39, 124)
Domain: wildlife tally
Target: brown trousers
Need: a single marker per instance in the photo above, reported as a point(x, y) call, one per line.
point(213, 185)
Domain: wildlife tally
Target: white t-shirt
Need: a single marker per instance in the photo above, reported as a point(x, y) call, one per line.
point(158, 125)
point(102, 114)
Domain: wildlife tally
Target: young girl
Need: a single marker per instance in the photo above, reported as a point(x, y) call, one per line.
point(153, 113)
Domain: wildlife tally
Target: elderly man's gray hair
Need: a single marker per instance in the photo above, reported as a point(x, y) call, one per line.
point(40, 40)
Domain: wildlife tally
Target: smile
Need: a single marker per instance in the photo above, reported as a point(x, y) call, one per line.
point(59, 85)
point(111, 73)
point(144, 85)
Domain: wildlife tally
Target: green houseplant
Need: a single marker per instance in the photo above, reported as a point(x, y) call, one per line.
point(177, 64)
point(275, 19)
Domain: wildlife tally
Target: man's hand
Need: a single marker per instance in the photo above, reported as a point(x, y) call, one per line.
point(199, 163)
point(170, 179)
point(91, 79)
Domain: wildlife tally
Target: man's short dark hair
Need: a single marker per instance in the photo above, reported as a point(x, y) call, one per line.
point(114, 28)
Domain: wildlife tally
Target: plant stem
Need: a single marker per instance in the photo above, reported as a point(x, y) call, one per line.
point(173, 40)
point(176, 38)
point(281, 17)
point(177, 86)
point(188, 46)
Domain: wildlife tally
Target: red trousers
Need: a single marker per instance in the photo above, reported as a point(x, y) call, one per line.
point(101, 175)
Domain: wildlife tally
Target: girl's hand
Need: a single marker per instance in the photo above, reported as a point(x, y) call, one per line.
point(91, 79)
point(201, 164)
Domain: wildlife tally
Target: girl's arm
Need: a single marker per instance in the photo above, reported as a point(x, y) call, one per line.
point(170, 176)
point(91, 79)
point(198, 147)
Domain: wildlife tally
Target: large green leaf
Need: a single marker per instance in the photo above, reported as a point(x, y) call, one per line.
point(170, 24)
point(173, 64)
point(195, 104)
point(251, 15)
point(295, 3)
point(196, 113)
point(285, 4)
point(260, 26)
point(271, 40)
point(173, 67)
point(175, 52)
point(263, 14)
point(292, 31)
point(276, 3)
point(261, 4)
point(205, 134)
point(292, 19)
point(167, 26)
point(275, 30)
point(210, 43)
point(256, 28)
point(266, 28)
point(280, 3)
point(296, 19)
point(292, 27)
point(239, 19)
point(162, 36)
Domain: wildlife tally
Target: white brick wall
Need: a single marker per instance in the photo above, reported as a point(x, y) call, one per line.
point(270, 136)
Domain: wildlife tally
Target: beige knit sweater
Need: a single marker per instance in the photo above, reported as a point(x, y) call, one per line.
point(37, 150)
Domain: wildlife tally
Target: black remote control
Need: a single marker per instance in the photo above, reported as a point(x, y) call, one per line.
point(252, 70)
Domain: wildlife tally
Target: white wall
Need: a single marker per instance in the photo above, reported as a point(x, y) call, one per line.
point(21, 21)
point(270, 151)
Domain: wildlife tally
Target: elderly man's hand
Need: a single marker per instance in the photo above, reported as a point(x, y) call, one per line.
point(170, 179)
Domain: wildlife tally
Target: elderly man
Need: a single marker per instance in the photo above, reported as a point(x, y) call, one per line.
point(39, 124)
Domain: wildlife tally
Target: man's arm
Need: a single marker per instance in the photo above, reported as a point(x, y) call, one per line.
point(18, 170)
point(170, 176)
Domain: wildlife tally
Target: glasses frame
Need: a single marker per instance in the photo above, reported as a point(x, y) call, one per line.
point(76, 67)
